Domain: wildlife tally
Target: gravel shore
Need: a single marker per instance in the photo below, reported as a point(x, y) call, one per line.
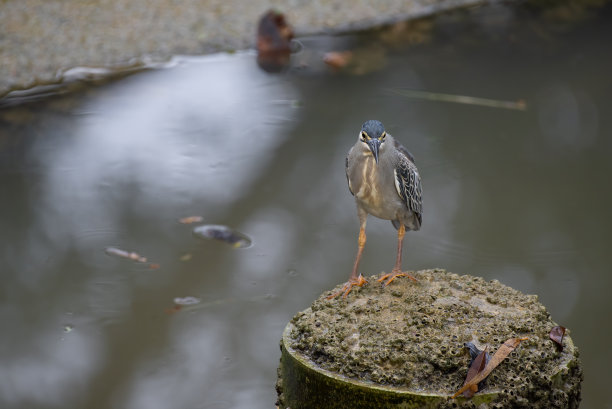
point(40, 41)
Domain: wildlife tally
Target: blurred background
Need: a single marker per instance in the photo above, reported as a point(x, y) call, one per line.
point(518, 191)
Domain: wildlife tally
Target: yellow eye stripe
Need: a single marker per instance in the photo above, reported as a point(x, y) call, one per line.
point(367, 137)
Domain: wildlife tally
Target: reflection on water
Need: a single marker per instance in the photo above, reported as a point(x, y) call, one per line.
point(517, 196)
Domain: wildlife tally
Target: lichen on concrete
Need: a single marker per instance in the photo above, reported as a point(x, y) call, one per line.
point(411, 336)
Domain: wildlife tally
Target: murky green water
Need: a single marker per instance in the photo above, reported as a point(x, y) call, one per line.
point(519, 196)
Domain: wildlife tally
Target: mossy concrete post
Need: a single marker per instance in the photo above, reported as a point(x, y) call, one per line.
point(402, 346)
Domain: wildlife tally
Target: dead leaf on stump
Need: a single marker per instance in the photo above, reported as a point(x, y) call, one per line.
point(499, 356)
point(478, 364)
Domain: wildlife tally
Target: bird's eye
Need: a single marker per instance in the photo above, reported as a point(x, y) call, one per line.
point(383, 136)
point(363, 136)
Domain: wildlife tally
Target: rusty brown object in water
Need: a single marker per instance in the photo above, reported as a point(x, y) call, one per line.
point(273, 42)
point(338, 59)
point(191, 219)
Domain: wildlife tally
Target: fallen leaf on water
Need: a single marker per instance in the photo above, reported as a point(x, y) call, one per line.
point(338, 59)
point(501, 354)
point(556, 334)
point(153, 266)
point(222, 233)
point(130, 255)
point(191, 219)
point(479, 362)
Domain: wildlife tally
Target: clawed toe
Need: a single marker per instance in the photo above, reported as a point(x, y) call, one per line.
point(389, 277)
point(348, 286)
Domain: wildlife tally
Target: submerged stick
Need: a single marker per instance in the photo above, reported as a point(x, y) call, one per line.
point(519, 105)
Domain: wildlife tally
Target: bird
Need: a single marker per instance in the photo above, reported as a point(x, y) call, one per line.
point(385, 183)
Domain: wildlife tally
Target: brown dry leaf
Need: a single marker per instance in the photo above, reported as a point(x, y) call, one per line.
point(477, 366)
point(556, 334)
point(191, 219)
point(338, 59)
point(499, 356)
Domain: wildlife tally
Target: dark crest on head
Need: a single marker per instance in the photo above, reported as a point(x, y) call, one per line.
point(373, 128)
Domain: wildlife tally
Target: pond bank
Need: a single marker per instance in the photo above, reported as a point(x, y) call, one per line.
point(41, 41)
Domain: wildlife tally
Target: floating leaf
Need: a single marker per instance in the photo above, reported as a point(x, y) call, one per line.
point(222, 233)
point(68, 328)
point(499, 356)
point(130, 255)
point(477, 365)
point(338, 59)
point(191, 219)
point(556, 334)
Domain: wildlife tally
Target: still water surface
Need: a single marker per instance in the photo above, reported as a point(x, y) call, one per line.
point(519, 196)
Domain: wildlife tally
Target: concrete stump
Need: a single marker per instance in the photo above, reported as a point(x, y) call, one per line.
point(402, 346)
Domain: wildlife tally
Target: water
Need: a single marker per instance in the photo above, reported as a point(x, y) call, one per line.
point(519, 196)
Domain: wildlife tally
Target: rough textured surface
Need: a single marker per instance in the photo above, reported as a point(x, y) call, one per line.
point(41, 40)
point(411, 336)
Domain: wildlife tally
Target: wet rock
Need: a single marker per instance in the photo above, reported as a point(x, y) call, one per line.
point(222, 233)
point(406, 341)
point(273, 42)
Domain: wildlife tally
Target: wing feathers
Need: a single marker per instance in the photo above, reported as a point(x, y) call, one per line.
point(408, 186)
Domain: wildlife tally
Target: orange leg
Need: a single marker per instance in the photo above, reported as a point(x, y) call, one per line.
point(397, 270)
point(354, 280)
point(361, 244)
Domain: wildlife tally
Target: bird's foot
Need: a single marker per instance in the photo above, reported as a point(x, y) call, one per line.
point(348, 286)
point(389, 277)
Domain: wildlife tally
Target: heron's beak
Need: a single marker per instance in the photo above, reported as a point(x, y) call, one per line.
point(374, 144)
